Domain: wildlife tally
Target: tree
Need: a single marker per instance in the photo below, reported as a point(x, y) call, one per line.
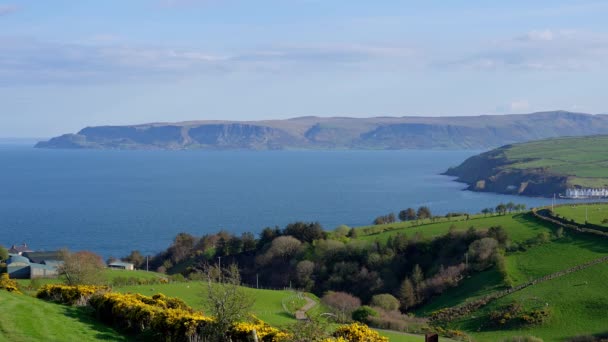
point(135, 258)
point(283, 247)
point(385, 301)
point(304, 271)
point(408, 214)
point(342, 303)
point(225, 299)
point(510, 206)
point(182, 246)
point(485, 211)
point(501, 209)
point(417, 275)
point(249, 242)
point(310, 330)
point(423, 213)
point(3, 253)
point(363, 313)
point(305, 232)
point(81, 268)
point(407, 294)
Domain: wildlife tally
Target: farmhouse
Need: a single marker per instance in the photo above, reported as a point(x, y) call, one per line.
point(121, 265)
point(19, 249)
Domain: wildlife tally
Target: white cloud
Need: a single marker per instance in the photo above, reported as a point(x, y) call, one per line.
point(105, 58)
point(542, 50)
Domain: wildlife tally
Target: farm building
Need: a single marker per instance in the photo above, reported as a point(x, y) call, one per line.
point(121, 265)
point(20, 267)
point(19, 249)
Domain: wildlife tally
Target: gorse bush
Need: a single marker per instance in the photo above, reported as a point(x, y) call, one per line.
point(6, 283)
point(358, 332)
point(71, 295)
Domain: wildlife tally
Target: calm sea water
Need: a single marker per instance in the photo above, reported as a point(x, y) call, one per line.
point(112, 202)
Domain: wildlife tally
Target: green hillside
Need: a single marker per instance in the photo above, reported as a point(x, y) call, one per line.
point(538, 168)
point(578, 301)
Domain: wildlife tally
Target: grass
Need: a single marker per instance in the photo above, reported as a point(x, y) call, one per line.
point(557, 255)
point(268, 303)
point(519, 226)
point(595, 213)
point(578, 301)
point(585, 159)
point(23, 318)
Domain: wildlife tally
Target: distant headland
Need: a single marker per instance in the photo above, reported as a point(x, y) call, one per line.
point(448, 132)
point(573, 167)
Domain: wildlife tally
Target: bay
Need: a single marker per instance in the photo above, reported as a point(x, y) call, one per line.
point(112, 202)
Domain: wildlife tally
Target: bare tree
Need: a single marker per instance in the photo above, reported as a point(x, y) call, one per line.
point(226, 300)
point(81, 268)
point(343, 303)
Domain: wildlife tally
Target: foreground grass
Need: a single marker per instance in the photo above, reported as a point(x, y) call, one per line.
point(268, 303)
point(24, 318)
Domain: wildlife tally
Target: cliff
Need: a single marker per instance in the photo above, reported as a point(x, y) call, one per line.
point(464, 132)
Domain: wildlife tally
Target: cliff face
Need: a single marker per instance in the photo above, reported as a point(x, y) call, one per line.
point(494, 171)
point(477, 132)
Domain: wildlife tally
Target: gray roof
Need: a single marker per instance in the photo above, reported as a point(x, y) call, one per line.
point(14, 259)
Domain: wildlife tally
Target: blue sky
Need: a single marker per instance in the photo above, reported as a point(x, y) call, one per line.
point(65, 65)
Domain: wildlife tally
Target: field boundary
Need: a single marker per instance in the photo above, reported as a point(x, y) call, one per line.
point(545, 215)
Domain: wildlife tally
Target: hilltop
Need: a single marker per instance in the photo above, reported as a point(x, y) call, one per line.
point(538, 168)
point(457, 132)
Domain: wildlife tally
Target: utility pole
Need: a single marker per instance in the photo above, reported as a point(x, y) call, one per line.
point(219, 262)
point(257, 281)
point(147, 269)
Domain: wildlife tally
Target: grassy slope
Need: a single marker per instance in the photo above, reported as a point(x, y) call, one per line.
point(579, 300)
point(23, 318)
point(267, 307)
point(595, 212)
point(585, 158)
point(519, 226)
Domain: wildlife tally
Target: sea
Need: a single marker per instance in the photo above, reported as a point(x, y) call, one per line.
point(112, 202)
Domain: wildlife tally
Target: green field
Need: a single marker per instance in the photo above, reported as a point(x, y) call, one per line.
point(268, 303)
point(594, 213)
point(579, 301)
point(519, 226)
point(23, 318)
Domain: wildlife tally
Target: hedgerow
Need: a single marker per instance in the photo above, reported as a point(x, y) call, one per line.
point(72, 295)
point(6, 283)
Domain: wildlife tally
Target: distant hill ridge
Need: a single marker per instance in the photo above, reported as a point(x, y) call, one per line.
point(310, 132)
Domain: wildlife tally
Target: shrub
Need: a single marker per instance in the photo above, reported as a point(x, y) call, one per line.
point(358, 332)
point(363, 313)
point(386, 302)
point(78, 295)
point(6, 283)
point(522, 339)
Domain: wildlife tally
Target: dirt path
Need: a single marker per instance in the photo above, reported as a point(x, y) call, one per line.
point(301, 313)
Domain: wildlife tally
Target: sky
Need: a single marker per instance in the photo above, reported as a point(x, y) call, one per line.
point(65, 65)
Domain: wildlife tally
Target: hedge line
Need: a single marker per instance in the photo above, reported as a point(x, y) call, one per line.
point(170, 319)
